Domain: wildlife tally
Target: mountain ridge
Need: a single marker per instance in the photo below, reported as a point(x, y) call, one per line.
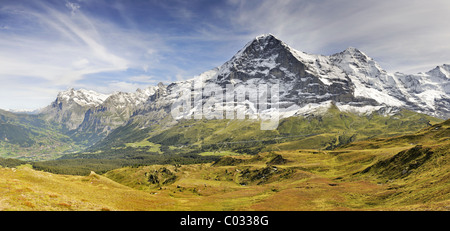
point(308, 84)
point(257, 59)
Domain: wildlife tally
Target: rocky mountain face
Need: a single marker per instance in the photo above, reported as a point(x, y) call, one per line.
point(306, 84)
point(89, 115)
point(114, 111)
point(70, 107)
point(350, 80)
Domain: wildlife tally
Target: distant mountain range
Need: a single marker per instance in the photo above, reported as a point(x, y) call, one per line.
point(351, 80)
point(307, 84)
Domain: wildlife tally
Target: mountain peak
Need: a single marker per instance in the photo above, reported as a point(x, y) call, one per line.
point(357, 59)
point(265, 37)
point(354, 53)
point(83, 97)
point(261, 44)
point(442, 71)
point(256, 59)
point(352, 50)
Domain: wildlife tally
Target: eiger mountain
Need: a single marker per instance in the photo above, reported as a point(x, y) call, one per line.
point(350, 80)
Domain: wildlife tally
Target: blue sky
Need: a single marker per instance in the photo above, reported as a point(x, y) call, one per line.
point(113, 45)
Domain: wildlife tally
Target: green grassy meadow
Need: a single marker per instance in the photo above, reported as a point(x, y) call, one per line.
point(399, 172)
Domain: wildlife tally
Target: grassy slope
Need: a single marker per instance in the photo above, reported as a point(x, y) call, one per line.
point(27, 189)
point(29, 137)
point(348, 178)
point(132, 145)
point(365, 175)
point(321, 131)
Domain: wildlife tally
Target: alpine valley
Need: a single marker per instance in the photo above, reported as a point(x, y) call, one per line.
point(349, 136)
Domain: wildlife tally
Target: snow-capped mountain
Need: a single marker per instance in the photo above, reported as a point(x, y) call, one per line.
point(91, 98)
point(307, 84)
point(83, 97)
point(124, 99)
point(351, 80)
point(70, 107)
point(89, 112)
point(115, 110)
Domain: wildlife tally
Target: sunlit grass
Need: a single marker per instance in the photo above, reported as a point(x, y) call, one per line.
point(364, 175)
point(152, 147)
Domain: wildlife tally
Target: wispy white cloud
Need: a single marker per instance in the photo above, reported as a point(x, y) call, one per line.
point(49, 55)
point(73, 7)
point(59, 48)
